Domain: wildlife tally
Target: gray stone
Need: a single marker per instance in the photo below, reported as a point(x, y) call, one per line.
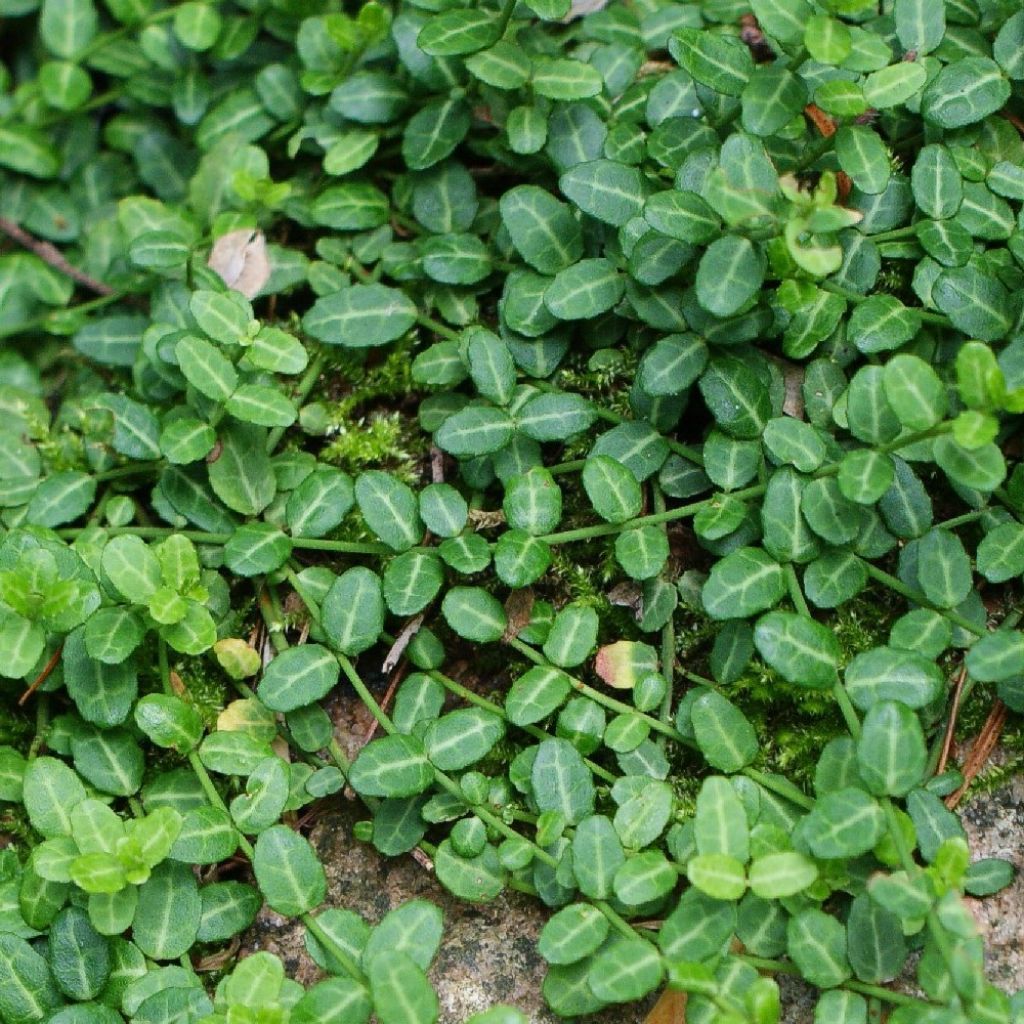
point(995, 828)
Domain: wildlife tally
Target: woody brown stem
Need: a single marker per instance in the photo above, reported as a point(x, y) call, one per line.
point(51, 255)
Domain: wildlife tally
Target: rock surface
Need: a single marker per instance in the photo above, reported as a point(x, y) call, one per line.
point(488, 954)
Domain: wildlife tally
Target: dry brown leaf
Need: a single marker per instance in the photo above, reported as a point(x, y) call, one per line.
point(240, 258)
point(580, 8)
point(518, 609)
point(669, 1009)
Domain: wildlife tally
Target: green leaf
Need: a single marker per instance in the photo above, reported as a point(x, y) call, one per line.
point(729, 275)
point(256, 549)
point(875, 942)
point(475, 430)
point(743, 583)
point(717, 875)
point(30, 993)
point(682, 215)
point(672, 364)
point(209, 371)
point(169, 722)
point(504, 65)
point(241, 475)
point(914, 391)
point(827, 39)
point(982, 469)
point(401, 992)
point(562, 78)
point(67, 26)
point(393, 766)
point(297, 677)
point(28, 150)
point(864, 476)
point(772, 97)
point(613, 491)
point(265, 796)
point(109, 760)
point(50, 792)
point(723, 733)
point(863, 156)
point(936, 182)
point(803, 651)
point(360, 316)
point(462, 737)
point(79, 955)
point(720, 825)
point(891, 750)
point(882, 323)
point(572, 934)
point(609, 191)
point(167, 915)
point(542, 229)
point(1007, 46)
point(352, 614)
point(228, 908)
point(736, 397)
point(894, 85)
point(572, 635)
point(287, 871)
point(265, 406)
point(698, 928)
point(816, 943)
point(207, 836)
point(779, 875)
point(997, 656)
point(964, 92)
point(533, 502)
point(411, 581)
point(476, 879)
point(319, 503)
point(1000, 555)
point(721, 62)
point(537, 693)
point(555, 417)
point(843, 824)
point(390, 509)
point(474, 614)
point(433, 132)
point(561, 781)
point(61, 498)
point(584, 290)
point(919, 26)
point(625, 970)
point(885, 673)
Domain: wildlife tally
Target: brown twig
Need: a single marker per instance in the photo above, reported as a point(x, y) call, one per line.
point(947, 742)
point(51, 255)
point(980, 752)
point(43, 676)
point(751, 34)
point(1014, 120)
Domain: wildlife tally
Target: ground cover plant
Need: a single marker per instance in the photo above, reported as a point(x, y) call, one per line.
point(663, 363)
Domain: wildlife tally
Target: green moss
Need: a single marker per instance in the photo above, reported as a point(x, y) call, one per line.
point(382, 440)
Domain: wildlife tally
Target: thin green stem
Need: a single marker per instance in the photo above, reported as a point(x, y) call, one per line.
point(618, 706)
point(893, 583)
point(796, 595)
point(305, 385)
point(849, 712)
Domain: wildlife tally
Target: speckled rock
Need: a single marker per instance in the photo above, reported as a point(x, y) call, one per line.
point(995, 828)
point(488, 953)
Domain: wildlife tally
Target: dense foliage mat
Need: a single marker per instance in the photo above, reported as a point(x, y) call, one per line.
point(603, 362)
